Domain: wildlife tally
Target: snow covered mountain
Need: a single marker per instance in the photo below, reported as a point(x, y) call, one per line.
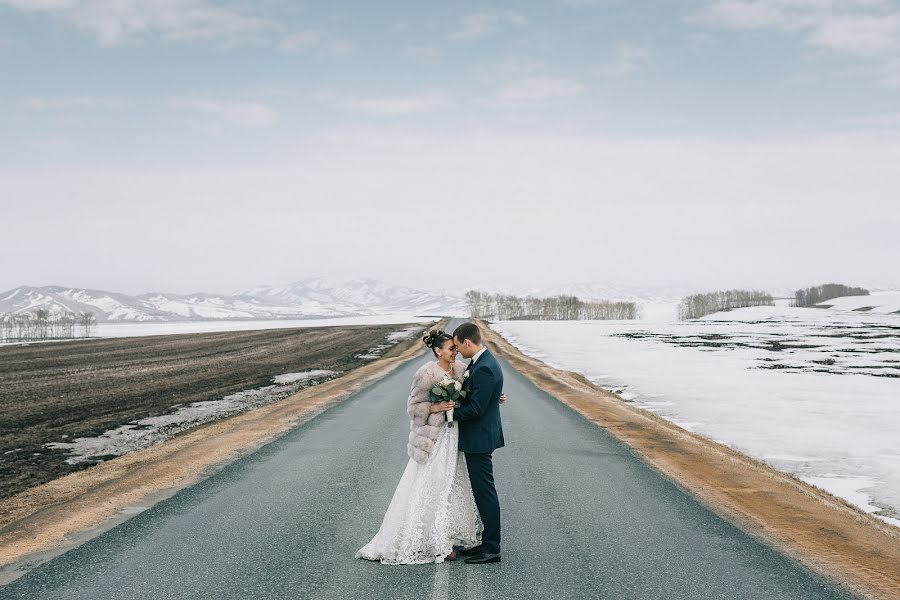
point(310, 298)
point(108, 306)
point(307, 298)
point(621, 292)
point(368, 295)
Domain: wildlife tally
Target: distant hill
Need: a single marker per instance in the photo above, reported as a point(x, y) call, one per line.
point(311, 298)
point(307, 298)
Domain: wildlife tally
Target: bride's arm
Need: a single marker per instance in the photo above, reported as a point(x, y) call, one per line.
point(419, 405)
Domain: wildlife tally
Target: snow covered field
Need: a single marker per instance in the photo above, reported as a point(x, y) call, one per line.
point(811, 391)
point(138, 329)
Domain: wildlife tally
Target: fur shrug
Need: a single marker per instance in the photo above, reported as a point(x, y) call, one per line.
point(424, 425)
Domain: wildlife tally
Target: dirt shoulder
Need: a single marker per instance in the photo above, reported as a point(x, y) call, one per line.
point(825, 533)
point(66, 511)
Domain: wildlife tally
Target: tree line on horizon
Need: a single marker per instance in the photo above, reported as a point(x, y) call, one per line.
point(821, 293)
point(505, 307)
point(42, 324)
point(698, 305)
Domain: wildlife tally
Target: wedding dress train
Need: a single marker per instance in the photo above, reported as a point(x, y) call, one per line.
point(431, 511)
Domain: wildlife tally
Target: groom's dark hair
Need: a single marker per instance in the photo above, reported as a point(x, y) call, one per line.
point(468, 331)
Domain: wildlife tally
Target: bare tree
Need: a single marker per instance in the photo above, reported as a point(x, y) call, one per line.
point(698, 305)
point(558, 308)
point(821, 293)
point(44, 325)
point(87, 321)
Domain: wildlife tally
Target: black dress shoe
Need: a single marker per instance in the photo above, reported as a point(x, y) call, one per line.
point(468, 551)
point(482, 559)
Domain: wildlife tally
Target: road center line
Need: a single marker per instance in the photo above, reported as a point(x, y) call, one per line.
point(441, 587)
point(473, 584)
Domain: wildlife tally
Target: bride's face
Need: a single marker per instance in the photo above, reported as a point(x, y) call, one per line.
point(447, 351)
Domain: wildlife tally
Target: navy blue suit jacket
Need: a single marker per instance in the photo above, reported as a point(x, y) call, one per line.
point(478, 413)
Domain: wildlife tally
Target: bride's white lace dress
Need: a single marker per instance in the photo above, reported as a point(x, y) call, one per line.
point(432, 508)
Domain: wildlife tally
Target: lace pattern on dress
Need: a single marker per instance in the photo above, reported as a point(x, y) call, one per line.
point(431, 511)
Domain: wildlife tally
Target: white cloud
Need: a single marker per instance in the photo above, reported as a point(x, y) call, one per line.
point(890, 73)
point(865, 35)
point(742, 14)
point(339, 46)
point(514, 67)
point(117, 22)
point(536, 89)
point(626, 59)
point(476, 25)
point(523, 82)
point(240, 113)
point(879, 121)
point(424, 52)
point(863, 28)
point(301, 40)
point(588, 2)
point(720, 193)
point(70, 102)
point(787, 14)
point(424, 101)
point(308, 39)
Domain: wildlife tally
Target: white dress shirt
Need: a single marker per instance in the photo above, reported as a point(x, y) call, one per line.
point(480, 352)
point(458, 404)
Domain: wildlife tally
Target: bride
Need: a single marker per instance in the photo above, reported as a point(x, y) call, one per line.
point(433, 508)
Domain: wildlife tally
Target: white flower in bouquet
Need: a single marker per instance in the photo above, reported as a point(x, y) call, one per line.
point(446, 390)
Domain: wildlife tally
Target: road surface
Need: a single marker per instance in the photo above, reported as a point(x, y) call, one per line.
point(583, 517)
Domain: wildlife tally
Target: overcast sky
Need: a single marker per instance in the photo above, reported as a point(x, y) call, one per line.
point(187, 145)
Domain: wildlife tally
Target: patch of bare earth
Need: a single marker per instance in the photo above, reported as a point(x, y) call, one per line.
point(827, 534)
point(56, 514)
point(52, 393)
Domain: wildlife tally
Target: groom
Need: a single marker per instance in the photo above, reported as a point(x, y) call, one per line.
point(480, 433)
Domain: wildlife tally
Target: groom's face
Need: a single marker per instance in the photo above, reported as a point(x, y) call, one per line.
point(465, 347)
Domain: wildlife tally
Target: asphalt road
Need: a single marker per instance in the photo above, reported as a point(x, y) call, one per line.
point(583, 517)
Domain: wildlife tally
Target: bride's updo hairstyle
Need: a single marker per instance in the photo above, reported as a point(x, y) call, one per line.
point(436, 338)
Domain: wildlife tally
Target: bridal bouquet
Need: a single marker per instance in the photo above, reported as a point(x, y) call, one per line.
point(447, 389)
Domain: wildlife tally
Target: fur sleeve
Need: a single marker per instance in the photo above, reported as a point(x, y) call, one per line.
point(418, 405)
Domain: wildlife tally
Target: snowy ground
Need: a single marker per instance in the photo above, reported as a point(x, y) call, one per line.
point(813, 392)
point(137, 329)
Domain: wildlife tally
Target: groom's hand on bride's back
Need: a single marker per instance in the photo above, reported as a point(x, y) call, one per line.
point(502, 398)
